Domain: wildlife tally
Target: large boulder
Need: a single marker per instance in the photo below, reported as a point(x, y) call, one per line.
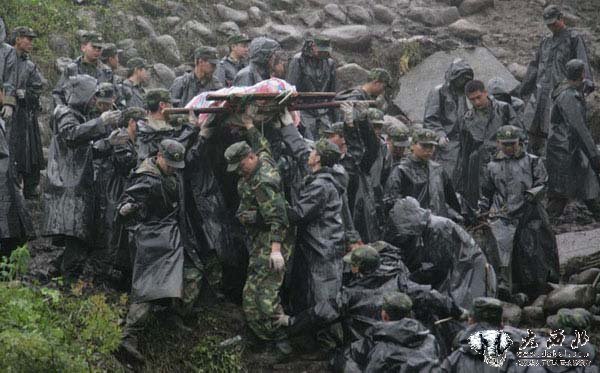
point(517, 70)
point(229, 14)
point(468, 7)
point(59, 45)
point(570, 296)
point(162, 75)
point(256, 15)
point(355, 38)
point(585, 277)
point(228, 28)
point(511, 314)
point(144, 25)
point(194, 29)
point(466, 30)
point(434, 16)
point(383, 14)
point(350, 75)
point(416, 84)
point(287, 35)
point(359, 14)
point(166, 49)
point(335, 12)
point(311, 19)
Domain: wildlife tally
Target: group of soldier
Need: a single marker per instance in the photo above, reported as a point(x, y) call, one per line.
point(350, 230)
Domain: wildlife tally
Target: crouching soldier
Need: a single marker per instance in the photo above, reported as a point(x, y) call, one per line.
point(166, 271)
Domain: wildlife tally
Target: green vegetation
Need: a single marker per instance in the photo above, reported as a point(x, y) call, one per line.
point(210, 356)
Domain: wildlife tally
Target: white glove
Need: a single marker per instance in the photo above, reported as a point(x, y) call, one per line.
point(286, 118)
point(111, 118)
point(7, 111)
point(20, 93)
point(347, 112)
point(281, 320)
point(127, 209)
point(276, 261)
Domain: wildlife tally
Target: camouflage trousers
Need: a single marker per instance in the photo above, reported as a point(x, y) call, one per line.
point(261, 302)
point(139, 313)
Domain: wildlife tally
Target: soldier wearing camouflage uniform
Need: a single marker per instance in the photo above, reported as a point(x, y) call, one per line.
point(89, 64)
point(200, 79)
point(166, 269)
point(8, 75)
point(132, 88)
point(262, 211)
point(229, 65)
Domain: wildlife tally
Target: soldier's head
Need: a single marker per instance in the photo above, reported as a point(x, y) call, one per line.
point(171, 156)
point(553, 18)
point(575, 70)
point(458, 74)
point(80, 92)
point(498, 88)
point(376, 118)
point(508, 140)
point(238, 46)
point(158, 100)
point(130, 118)
point(110, 55)
point(424, 142)
point(205, 61)
point(477, 94)
point(377, 82)
point(241, 159)
point(137, 70)
point(398, 139)
point(278, 64)
point(91, 46)
point(321, 47)
point(396, 306)
point(105, 97)
point(488, 310)
point(23, 37)
point(335, 134)
point(324, 154)
point(363, 260)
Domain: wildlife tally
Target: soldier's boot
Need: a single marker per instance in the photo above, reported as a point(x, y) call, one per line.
point(128, 350)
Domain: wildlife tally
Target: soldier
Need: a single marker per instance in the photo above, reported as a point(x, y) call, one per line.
point(8, 77)
point(262, 51)
point(397, 141)
point(378, 81)
point(110, 56)
point(69, 192)
point(229, 65)
point(421, 178)
point(477, 138)
point(396, 344)
point(498, 89)
point(24, 132)
point(200, 79)
point(549, 68)
point(166, 268)
point(312, 70)
point(512, 186)
point(572, 158)
point(262, 211)
point(486, 314)
point(445, 107)
point(88, 63)
point(132, 88)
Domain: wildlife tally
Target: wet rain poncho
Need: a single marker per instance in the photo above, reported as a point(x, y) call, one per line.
point(570, 148)
point(8, 67)
point(440, 253)
point(69, 188)
point(525, 243)
point(478, 145)
point(426, 181)
point(320, 246)
point(498, 89)
point(403, 346)
point(444, 110)
point(547, 69)
point(261, 50)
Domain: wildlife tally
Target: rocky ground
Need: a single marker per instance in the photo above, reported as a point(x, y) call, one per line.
point(395, 34)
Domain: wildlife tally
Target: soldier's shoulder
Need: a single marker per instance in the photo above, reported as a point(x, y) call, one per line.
point(61, 110)
point(268, 173)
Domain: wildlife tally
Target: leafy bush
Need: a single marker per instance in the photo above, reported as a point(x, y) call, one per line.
point(209, 356)
point(16, 265)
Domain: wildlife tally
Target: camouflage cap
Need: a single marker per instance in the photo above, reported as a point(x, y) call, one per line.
point(336, 128)
point(110, 50)
point(329, 152)
point(487, 309)
point(207, 54)
point(551, 14)
point(154, 96)
point(24, 31)
point(574, 318)
point(365, 257)
point(135, 113)
point(323, 44)
point(235, 153)
point(396, 303)
point(399, 135)
point(92, 37)
point(137, 63)
point(173, 152)
point(237, 39)
point(381, 75)
point(509, 134)
point(375, 116)
point(105, 93)
point(425, 136)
